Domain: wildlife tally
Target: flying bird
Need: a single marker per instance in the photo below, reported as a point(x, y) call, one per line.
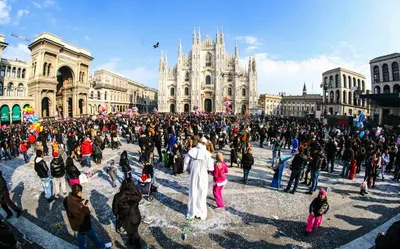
point(156, 46)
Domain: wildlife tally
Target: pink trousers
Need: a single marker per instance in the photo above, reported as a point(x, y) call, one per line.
point(313, 222)
point(217, 191)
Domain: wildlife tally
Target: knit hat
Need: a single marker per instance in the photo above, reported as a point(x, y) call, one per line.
point(55, 154)
point(322, 192)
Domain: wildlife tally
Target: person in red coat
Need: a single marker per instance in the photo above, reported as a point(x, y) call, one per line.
point(86, 150)
point(23, 148)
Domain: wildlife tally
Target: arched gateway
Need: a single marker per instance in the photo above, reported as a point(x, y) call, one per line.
point(59, 77)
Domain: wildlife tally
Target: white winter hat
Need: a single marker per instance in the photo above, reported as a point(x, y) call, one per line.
point(203, 140)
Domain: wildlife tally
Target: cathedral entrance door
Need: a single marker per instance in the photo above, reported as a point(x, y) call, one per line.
point(172, 108)
point(208, 105)
point(244, 109)
point(186, 108)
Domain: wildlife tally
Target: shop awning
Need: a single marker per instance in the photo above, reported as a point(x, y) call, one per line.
point(16, 113)
point(384, 99)
point(5, 113)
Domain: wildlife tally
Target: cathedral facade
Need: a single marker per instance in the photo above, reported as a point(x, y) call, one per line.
point(202, 78)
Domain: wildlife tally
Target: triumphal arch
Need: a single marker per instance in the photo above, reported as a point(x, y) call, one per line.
point(58, 80)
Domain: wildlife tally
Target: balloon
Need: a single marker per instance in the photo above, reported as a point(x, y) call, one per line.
point(362, 134)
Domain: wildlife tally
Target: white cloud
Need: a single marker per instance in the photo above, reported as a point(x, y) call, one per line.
point(20, 52)
point(37, 5)
point(4, 12)
point(48, 3)
point(20, 14)
point(252, 41)
point(288, 76)
point(87, 38)
point(111, 65)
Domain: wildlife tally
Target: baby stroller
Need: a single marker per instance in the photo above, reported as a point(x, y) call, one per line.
point(146, 182)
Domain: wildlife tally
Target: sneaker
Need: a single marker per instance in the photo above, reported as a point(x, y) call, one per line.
point(108, 245)
point(291, 192)
point(286, 190)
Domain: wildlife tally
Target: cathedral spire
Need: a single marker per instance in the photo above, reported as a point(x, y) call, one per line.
point(236, 51)
point(217, 37)
point(180, 49)
point(194, 36)
point(304, 89)
point(254, 67)
point(161, 62)
point(249, 64)
point(199, 37)
point(222, 36)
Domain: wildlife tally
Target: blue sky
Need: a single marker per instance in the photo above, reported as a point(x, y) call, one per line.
point(293, 41)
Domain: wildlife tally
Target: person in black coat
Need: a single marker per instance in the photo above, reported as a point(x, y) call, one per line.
point(124, 163)
point(389, 240)
point(158, 144)
point(5, 199)
point(331, 150)
point(298, 164)
point(247, 162)
point(72, 171)
point(57, 168)
point(43, 172)
point(125, 207)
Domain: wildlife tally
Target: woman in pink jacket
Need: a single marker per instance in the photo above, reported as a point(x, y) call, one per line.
point(219, 175)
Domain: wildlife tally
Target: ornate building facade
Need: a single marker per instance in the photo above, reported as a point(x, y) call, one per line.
point(206, 75)
point(118, 93)
point(270, 104)
point(342, 92)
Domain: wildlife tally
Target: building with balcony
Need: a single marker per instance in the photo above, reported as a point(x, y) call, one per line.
point(342, 89)
point(206, 75)
point(118, 93)
point(385, 96)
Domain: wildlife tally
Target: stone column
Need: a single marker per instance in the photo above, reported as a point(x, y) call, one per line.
point(65, 105)
point(75, 105)
point(380, 115)
point(38, 100)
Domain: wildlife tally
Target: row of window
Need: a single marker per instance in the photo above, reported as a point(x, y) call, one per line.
point(14, 72)
point(131, 98)
point(172, 91)
point(347, 80)
point(386, 89)
point(385, 73)
point(9, 90)
point(335, 97)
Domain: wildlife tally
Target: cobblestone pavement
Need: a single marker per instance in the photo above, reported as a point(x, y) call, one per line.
point(256, 215)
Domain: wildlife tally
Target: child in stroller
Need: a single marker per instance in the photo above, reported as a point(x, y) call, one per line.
point(146, 184)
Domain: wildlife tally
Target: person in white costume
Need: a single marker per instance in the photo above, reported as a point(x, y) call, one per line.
point(198, 162)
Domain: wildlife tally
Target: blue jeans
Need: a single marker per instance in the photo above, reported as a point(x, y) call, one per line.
point(245, 175)
point(345, 170)
point(26, 157)
point(92, 236)
point(87, 161)
point(314, 179)
point(46, 182)
point(274, 157)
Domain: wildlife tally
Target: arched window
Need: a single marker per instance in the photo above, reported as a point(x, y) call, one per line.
point(337, 81)
point(349, 98)
point(229, 91)
point(377, 76)
point(10, 88)
point(172, 91)
point(358, 84)
point(354, 82)
point(91, 94)
point(48, 69)
point(105, 95)
point(362, 86)
point(20, 92)
point(13, 72)
point(208, 59)
point(337, 96)
point(19, 73)
point(395, 71)
point(386, 89)
point(186, 91)
point(344, 81)
point(326, 80)
point(1, 88)
point(330, 83)
point(377, 90)
point(98, 94)
point(208, 80)
point(344, 97)
point(187, 76)
point(396, 88)
point(3, 71)
point(385, 72)
point(243, 92)
point(44, 68)
point(331, 97)
point(349, 81)
point(23, 73)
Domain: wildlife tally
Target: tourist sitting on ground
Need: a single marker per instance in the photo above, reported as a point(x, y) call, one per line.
point(72, 171)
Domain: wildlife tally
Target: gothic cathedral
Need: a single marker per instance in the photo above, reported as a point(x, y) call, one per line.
point(202, 78)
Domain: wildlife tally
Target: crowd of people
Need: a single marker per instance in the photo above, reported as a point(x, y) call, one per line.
point(188, 143)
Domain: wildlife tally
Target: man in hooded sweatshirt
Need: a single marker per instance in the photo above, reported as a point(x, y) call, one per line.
point(43, 172)
point(198, 162)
